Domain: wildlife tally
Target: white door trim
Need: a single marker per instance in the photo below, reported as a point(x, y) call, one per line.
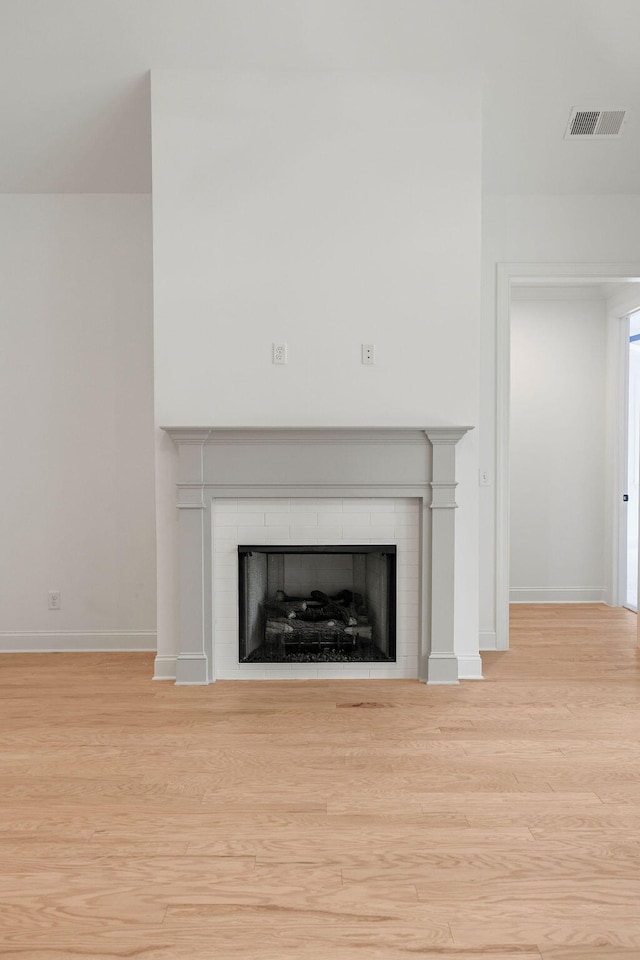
point(619, 573)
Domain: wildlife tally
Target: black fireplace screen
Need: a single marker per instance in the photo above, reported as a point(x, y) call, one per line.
point(301, 604)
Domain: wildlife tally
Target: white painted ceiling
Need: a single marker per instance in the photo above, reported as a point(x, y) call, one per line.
point(74, 91)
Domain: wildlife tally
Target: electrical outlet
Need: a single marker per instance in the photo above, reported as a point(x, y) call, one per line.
point(368, 353)
point(54, 599)
point(279, 353)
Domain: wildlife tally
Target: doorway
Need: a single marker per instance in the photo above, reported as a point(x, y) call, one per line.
point(558, 442)
point(509, 274)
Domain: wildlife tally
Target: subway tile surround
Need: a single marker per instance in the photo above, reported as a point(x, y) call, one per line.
point(315, 485)
point(303, 521)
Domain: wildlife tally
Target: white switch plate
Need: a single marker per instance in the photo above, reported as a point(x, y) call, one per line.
point(368, 353)
point(484, 478)
point(279, 354)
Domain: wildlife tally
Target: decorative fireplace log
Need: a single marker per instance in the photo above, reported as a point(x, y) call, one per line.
point(318, 613)
point(278, 626)
point(302, 629)
point(296, 602)
point(323, 626)
point(334, 609)
point(285, 608)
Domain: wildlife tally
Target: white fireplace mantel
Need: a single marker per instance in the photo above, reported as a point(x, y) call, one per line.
point(248, 462)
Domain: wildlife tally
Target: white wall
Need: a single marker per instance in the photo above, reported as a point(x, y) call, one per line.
point(323, 210)
point(557, 447)
point(76, 422)
point(544, 231)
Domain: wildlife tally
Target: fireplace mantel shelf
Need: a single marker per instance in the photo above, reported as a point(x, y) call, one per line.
point(314, 435)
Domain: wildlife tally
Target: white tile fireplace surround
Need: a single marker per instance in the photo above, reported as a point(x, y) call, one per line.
point(304, 486)
point(308, 521)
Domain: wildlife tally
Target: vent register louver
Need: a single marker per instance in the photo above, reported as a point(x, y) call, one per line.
point(595, 124)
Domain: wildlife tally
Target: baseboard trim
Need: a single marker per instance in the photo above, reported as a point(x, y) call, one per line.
point(78, 641)
point(557, 595)
point(488, 640)
point(164, 668)
point(470, 668)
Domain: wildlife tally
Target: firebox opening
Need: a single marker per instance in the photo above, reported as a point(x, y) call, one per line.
point(305, 604)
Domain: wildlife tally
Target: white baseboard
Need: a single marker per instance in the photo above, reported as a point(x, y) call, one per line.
point(77, 641)
point(470, 668)
point(557, 595)
point(164, 668)
point(488, 640)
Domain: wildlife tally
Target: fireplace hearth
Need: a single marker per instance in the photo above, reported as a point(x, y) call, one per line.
point(317, 604)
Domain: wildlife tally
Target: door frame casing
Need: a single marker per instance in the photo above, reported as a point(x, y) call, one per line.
point(619, 576)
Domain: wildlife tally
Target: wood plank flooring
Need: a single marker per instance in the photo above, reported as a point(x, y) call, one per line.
point(328, 819)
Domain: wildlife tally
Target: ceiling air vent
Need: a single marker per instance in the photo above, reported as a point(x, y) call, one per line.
point(595, 124)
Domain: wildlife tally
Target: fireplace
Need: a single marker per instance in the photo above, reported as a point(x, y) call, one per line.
point(330, 603)
point(345, 489)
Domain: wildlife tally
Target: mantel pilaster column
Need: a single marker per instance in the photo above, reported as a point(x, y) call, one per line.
point(191, 663)
point(442, 662)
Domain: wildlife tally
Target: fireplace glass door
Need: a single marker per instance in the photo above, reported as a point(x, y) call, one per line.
point(304, 604)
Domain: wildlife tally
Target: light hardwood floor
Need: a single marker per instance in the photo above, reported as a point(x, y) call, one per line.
point(376, 820)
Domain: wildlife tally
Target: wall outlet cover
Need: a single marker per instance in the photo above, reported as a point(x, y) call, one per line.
point(54, 599)
point(279, 353)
